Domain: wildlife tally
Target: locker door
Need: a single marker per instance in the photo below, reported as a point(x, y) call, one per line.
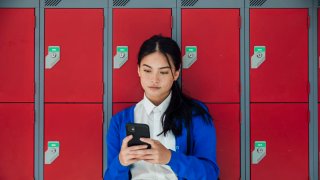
point(17, 55)
point(279, 71)
point(214, 76)
point(78, 128)
point(226, 119)
point(284, 128)
point(117, 107)
point(17, 140)
point(74, 73)
point(130, 28)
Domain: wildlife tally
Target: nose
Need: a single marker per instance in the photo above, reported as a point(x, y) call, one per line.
point(155, 78)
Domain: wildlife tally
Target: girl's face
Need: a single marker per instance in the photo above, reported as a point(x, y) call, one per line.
point(156, 77)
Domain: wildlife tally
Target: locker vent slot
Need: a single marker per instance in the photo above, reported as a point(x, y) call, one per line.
point(51, 2)
point(120, 2)
point(257, 2)
point(188, 2)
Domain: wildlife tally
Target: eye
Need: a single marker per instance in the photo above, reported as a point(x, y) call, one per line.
point(147, 71)
point(164, 72)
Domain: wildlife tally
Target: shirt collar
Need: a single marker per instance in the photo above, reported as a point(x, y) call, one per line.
point(149, 106)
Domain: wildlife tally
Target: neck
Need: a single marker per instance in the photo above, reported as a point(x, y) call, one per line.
point(157, 101)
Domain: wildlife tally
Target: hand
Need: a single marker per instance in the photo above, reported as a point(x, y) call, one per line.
point(127, 155)
point(158, 154)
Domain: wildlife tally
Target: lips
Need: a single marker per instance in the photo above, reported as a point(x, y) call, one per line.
point(154, 87)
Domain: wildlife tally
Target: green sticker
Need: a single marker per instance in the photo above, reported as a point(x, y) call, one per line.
point(259, 49)
point(122, 49)
point(191, 49)
point(53, 144)
point(54, 49)
point(260, 144)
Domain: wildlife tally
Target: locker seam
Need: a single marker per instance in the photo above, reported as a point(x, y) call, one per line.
point(171, 22)
point(308, 116)
point(104, 24)
point(103, 89)
point(35, 22)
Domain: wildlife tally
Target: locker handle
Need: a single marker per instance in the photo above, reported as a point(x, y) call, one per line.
point(121, 57)
point(258, 57)
point(52, 152)
point(53, 56)
point(259, 152)
point(190, 57)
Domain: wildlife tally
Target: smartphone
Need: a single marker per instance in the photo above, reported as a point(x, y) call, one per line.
point(137, 131)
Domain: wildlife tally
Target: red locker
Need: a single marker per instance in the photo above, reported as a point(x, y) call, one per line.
point(214, 76)
point(226, 119)
point(284, 128)
point(130, 28)
point(117, 107)
point(77, 76)
point(78, 128)
point(17, 140)
point(283, 75)
point(17, 55)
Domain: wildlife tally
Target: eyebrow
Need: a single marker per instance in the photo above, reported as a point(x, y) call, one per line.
point(165, 67)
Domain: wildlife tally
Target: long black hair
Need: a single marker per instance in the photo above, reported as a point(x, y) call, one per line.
point(181, 107)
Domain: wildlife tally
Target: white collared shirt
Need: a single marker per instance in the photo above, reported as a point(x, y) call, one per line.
point(146, 112)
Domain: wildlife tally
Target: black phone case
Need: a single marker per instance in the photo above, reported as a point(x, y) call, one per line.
point(137, 131)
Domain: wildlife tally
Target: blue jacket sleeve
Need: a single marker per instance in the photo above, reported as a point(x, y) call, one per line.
point(115, 170)
point(202, 163)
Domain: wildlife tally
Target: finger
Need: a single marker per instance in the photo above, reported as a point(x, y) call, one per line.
point(138, 147)
point(149, 157)
point(148, 140)
point(125, 141)
point(143, 151)
point(132, 161)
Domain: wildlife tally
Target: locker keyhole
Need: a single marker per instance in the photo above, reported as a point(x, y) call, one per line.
point(53, 150)
point(259, 150)
point(53, 55)
point(122, 55)
point(259, 55)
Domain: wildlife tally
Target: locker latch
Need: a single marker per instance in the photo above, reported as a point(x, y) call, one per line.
point(258, 57)
point(53, 56)
point(190, 57)
point(121, 57)
point(259, 152)
point(52, 152)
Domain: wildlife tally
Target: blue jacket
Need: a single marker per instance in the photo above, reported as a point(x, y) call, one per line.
point(201, 164)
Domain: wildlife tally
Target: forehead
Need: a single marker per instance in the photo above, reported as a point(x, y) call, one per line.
point(156, 59)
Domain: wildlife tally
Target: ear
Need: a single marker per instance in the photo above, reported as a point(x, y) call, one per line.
point(176, 75)
point(138, 70)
